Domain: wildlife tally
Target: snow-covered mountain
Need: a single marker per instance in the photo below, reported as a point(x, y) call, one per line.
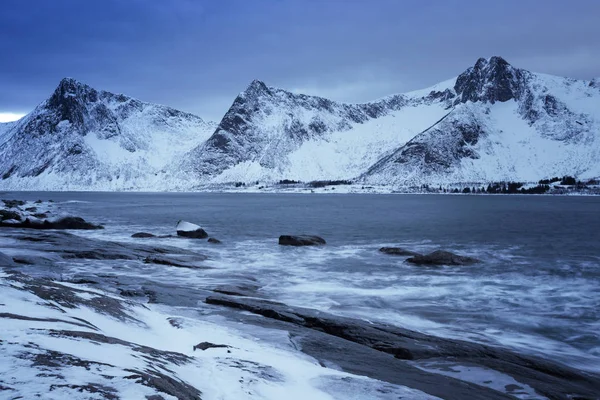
point(505, 124)
point(493, 122)
point(270, 134)
point(81, 138)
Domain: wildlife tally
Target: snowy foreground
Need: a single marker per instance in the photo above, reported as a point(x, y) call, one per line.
point(97, 336)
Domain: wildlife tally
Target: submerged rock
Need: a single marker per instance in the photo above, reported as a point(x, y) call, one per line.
point(143, 235)
point(213, 241)
point(189, 230)
point(301, 240)
point(398, 251)
point(177, 261)
point(441, 257)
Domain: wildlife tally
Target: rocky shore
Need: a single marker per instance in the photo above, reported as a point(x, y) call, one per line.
point(110, 336)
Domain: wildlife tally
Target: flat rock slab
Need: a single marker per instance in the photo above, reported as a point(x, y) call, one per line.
point(301, 240)
point(550, 379)
point(440, 257)
point(69, 246)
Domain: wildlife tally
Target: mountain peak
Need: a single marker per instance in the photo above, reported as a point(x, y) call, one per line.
point(489, 80)
point(69, 97)
point(255, 88)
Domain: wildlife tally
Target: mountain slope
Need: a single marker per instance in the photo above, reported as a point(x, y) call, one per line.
point(81, 138)
point(493, 122)
point(272, 134)
point(506, 124)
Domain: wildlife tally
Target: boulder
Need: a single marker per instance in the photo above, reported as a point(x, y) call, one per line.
point(398, 251)
point(301, 240)
point(13, 203)
point(7, 214)
point(142, 235)
point(189, 230)
point(441, 257)
point(71, 223)
point(213, 241)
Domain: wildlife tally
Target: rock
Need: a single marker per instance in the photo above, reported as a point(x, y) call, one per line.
point(548, 378)
point(207, 345)
point(13, 203)
point(189, 230)
point(178, 261)
point(441, 257)
point(31, 209)
point(83, 281)
point(237, 290)
point(142, 235)
point(131, 293)
point(38, 202)
point(302, 240)
point(214, 241)
point(41, 215)
point(72, 223)
point(398, 251)
point(63, 223)
point(9, 215)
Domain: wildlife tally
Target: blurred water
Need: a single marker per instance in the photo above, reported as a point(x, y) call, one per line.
point(538, 289)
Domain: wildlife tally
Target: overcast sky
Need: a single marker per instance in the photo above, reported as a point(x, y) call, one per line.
point(198, 55)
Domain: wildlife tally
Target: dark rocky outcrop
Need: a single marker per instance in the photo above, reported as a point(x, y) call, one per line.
point(13, 203)
point(301, 240)
point(143, 235)
point(490, 81)
point(214, 241)
point(207, 345)
point(398, 251)
point(441, 257)
point(63, 223)
point(9, 214)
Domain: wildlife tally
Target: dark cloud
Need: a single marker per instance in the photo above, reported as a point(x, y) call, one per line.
point(197, 55)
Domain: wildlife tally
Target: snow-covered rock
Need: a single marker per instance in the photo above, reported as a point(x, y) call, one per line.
point(81, 138)
point(189, 230)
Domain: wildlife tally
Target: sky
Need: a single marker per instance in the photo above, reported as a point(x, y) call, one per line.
point(197, 55)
